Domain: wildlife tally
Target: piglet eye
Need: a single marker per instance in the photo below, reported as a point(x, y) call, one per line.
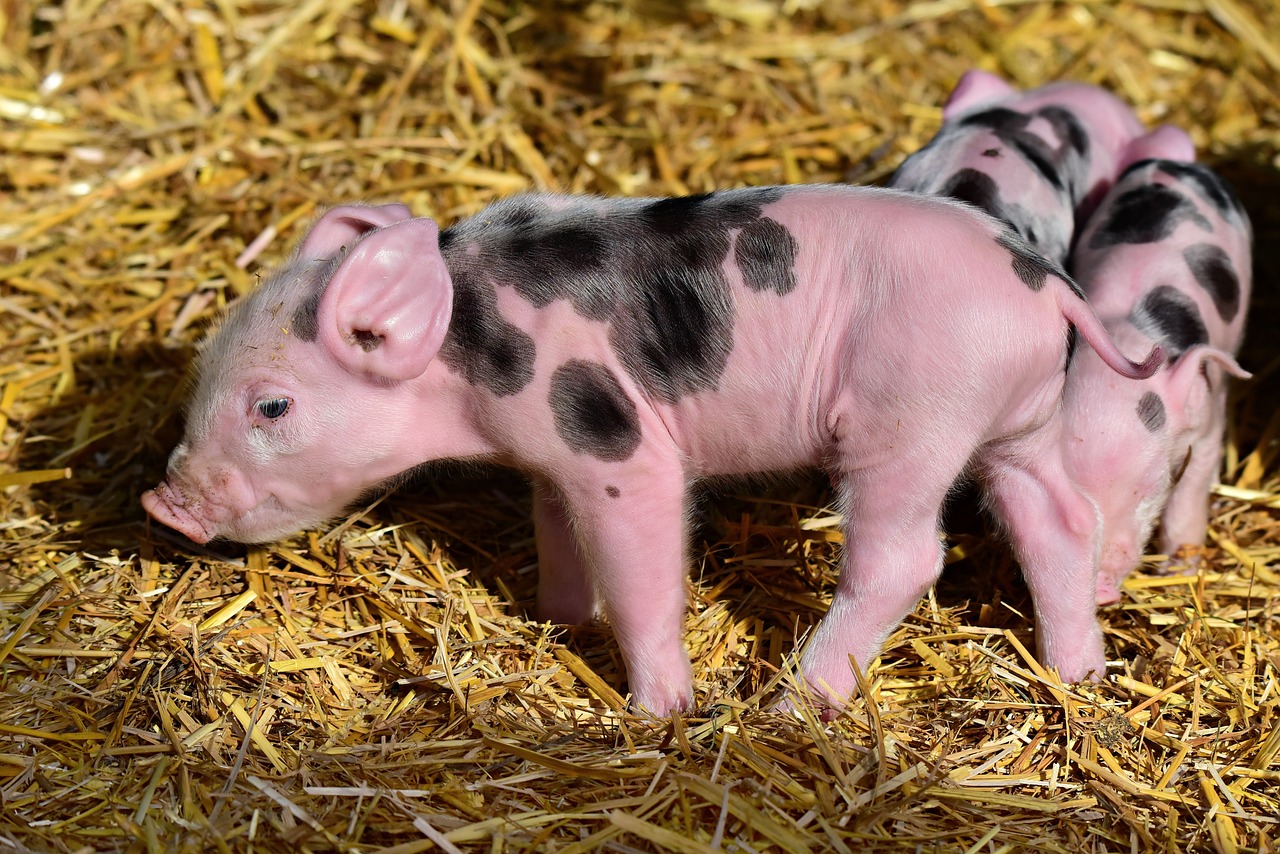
point(273, 407)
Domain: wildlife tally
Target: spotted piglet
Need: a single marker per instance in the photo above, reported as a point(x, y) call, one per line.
point(617, 350)
point(1039, 160)
point(1166, 259)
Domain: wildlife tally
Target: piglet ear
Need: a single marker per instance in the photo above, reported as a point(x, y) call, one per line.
point(386, 309)
point(975, 87)
point(1165, 142)
point(343, 225)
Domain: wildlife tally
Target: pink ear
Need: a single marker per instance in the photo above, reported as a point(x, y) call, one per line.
point(341, 226)
point(386, 309)
point(1165, 142)
point(975, 87)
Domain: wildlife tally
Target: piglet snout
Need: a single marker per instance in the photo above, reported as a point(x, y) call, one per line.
point(167, 505)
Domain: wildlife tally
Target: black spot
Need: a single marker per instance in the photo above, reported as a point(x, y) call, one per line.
point(652, 269)
point(592, 411)
point(1172, 318)
point(446, 238)
point(673, 216)
point(991, 152)
point(766, 254)
point(978, 189)
point(1146, 214)
point(1011, 127)
point(1207, 183)
point(1151, 411)
point(305, 322)
point(678, 337)
point(612, 491)
point(1213, 269)
point(565, 259)
point(481, 344)
point(1067, 127)
point(1030, 267)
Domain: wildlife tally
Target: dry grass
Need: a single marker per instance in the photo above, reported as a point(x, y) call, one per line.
point(376, 686)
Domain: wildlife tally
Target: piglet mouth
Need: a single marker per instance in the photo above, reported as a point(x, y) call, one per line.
point(168, 505)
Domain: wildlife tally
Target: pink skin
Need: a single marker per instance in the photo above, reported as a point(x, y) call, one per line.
point(869, 366)
point(1137, 474)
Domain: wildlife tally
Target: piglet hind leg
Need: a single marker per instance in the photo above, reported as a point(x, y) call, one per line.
point(565, 591)
point(1054, 531)
point(630, 525)
point(892, 556)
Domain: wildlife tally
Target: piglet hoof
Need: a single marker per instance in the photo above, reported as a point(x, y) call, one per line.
point(1185, 560)
point(663, 694)
point(1107, 592)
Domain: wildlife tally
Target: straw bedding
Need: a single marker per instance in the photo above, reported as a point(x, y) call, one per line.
point(376, 685)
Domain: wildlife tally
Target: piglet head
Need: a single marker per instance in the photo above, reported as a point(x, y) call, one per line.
point(303, 396)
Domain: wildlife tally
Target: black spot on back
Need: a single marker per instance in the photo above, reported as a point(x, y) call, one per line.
point(678, 337)
point(978, 189)
point(1030, 267)
point(1212, 267)
point(1207, 183)
point(563, 259)
point(1172, 318)
point(675, 215)
point(766, 255)
point(480, 344)
point(1151, 411)
point(1067, 128)
point(1011, 127)
point(653, 269)
point(305, 321)
point(593, 413)
point(1146, 214)
point(612, 491)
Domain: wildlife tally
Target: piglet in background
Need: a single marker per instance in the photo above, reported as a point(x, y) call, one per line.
point(1040, 160)
point(1166, 259)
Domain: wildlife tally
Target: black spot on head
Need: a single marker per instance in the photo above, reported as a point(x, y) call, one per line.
point(1212, 267)
point(1146, 214)
point(1031, 268)
point(481, 344)
point(612, 491)
point(1151, 411)
point(766, 254)
point(1207, 183)
point(1171, 318)
point(991, 152)
point(305, 322)
point(592, 411)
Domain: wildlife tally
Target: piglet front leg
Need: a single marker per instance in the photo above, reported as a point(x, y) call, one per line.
point(628, 519)
point(565, 591)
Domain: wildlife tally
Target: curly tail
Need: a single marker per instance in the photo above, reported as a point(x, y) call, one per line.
point(1076, 310)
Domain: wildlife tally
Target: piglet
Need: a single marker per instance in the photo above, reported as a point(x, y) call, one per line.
point(1040, 160)
point(1166, 259)
point(618, 350)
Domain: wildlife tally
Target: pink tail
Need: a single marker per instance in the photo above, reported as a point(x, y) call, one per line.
point(1079, 313)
